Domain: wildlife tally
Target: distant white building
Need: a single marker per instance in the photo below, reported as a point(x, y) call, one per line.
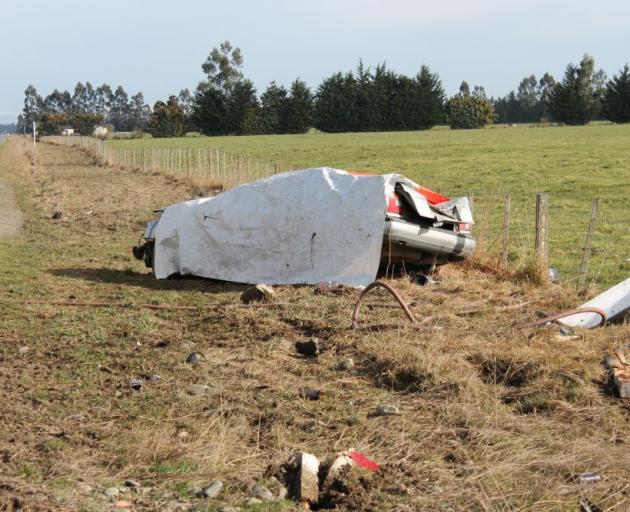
point(67, 130)
point(100, 131)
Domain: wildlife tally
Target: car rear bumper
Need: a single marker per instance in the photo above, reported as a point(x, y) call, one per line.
point(419, 244)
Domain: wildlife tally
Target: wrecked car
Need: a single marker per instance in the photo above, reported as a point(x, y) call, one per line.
point(307, 227)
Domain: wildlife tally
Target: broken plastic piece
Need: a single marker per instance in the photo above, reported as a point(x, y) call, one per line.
point(363, 461)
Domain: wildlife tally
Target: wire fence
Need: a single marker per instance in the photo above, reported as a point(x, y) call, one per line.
point(206, 166)
point(505, 232)
point(605, 263)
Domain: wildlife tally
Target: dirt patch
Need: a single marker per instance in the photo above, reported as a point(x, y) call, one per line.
point(11, 218)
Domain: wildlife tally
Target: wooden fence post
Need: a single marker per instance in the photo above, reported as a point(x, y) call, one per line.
point(542, 218)
point(586, 254)
point(506, 229)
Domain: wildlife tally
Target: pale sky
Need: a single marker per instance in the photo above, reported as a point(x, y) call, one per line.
point(157, 47)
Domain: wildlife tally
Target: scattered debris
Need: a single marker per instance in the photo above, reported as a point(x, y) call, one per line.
point(56, 215)
point(329, 288)
point(261, 492)
point(345, 459)
point(213, 490)
point(193, 358)
point(312, 425)
point(553, 275)
point(23, 350)
point(589, 477)
point(355, 312)
point(310, 394)
point(260, 293)
point(341, 461)
point(607, 305)
point(346, 364)
point(124, 504)
point(601, 315)
point(308, 347)
point(306, 481)
point(386, 410)
point(199, 389)
point(587, 506)
point(136, 384)
point(153, 377)
point(132, 483)
point(619, 372)
point(363, 461)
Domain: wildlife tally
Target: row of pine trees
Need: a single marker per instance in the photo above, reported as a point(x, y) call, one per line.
point(361, 100)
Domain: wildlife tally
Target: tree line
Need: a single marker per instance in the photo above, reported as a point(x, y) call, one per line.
point(83, 109)
point(364, 99)
point(8, 127)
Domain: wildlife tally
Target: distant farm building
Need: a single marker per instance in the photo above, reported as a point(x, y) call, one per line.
point(100, 131)
point(67, 130)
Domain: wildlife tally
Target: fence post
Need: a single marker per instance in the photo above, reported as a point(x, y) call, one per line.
point(506, 229)
point(586, 254)
point(542, 218)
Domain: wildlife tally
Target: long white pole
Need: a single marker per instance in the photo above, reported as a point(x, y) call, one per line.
point(34, 137)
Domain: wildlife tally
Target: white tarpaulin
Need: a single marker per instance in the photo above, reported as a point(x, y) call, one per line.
point(310, 226)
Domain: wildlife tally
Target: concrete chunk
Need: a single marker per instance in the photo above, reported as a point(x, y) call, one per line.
point(306, 484)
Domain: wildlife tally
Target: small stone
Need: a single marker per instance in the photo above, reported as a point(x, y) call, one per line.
point(310, 394)
point(131, 483)
point(23, 350)
point(312, 425)
point(308, 347)
point(213, 490)
point(282, 492)
point(253, 501)
point(56, 215)
point(386, 410)
point(341, 461)
point(111, 492)
point(193, 358)
point(260, 293)
point(85, 487)
point(136, 384)
point(262, 493)
point(124, 504)
point(199, 389)
point(230, 509)
point(346, 364)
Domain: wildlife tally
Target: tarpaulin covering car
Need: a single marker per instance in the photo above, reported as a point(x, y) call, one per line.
point(306, 227)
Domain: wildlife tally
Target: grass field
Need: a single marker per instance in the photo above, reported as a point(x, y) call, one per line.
point(572, 164)
point(493, 418)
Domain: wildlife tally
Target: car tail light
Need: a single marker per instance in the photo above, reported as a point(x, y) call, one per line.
point(465, 228)
point(393, 205)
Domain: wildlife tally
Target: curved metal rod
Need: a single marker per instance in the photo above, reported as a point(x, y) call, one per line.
point(375, 284)
point(571, 312)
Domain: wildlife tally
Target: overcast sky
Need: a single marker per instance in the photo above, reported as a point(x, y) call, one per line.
point(157, 46)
